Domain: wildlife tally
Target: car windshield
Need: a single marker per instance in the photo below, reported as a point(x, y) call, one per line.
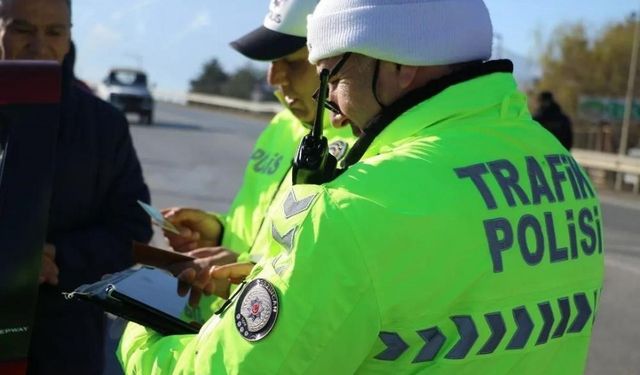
point(127, 78)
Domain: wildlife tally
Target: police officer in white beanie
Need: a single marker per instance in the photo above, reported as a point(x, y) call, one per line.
point(460, 237)
point(402, 44)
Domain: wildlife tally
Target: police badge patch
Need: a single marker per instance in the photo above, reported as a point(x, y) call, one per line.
point(257, 310)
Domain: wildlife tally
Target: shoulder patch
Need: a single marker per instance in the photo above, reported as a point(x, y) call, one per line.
point(257, 310)
point(338, 149)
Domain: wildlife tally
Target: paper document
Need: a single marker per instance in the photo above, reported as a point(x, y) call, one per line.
point(158, 219)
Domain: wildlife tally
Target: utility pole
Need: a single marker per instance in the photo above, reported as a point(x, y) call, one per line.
point(628, 107)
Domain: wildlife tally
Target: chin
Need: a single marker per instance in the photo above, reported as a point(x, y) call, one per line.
point(302, 115)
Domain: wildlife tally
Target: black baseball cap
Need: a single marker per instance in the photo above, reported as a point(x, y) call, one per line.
point(283, 32)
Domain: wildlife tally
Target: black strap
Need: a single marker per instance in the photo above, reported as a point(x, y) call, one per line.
point(374, 84)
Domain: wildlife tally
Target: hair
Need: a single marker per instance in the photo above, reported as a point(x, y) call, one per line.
point(3, 2)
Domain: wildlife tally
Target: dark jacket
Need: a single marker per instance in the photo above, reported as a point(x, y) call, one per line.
point(93, 219)
point(551, 117)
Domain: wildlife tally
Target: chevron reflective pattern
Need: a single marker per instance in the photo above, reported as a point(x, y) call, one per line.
point(468, 336)
point(584, 312)
point(547, 317)
point(434, 339)
point(550, 320)
point(395, 346)
point(565, 312)
point(292, 206)
point(285, 240)
point(498, 330)
point(525, 326)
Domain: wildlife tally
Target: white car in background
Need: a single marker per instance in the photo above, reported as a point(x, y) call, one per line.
point(127, 90)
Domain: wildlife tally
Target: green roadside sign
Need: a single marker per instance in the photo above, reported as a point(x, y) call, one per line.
point(599, 109)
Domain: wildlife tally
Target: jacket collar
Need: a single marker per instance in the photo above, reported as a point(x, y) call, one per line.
point(456, 95)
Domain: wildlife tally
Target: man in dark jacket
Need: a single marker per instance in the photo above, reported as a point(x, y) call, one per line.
point(94, 215)
point(550, 115)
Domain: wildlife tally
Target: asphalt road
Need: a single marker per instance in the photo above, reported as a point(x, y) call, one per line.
point(196, 157)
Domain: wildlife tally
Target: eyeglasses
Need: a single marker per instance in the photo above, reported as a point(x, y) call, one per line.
point(333, 107)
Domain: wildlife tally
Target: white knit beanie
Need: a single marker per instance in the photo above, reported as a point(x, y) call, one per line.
point(408, 32)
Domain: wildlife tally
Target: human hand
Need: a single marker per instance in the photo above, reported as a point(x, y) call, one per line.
point(195, 275)
point(197, 228)
point(218, 281)
point(235, 273)
point(49, 270)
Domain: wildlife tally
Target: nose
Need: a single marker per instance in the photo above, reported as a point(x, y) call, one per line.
point(38, 47)
point(277, 74)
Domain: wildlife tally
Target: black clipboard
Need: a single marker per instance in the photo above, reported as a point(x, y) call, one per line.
point(145, 295)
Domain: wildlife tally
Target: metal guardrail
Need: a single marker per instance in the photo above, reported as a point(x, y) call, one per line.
point(218, 101)
point(610, 162)
point(243, 105)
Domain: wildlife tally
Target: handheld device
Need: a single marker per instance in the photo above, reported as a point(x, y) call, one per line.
point(313, 164)
point(145, 295)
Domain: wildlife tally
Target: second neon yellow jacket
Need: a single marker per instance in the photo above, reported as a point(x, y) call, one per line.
point(268, 173)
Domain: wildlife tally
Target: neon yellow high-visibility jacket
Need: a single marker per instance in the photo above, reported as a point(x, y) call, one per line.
point(466, 241)
point(269, 172)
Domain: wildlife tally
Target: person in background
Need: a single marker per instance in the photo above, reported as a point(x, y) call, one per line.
point(550, 115)
point(94, 215)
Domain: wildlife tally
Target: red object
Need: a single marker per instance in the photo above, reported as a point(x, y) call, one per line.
point(30, 82)
point(13, 368)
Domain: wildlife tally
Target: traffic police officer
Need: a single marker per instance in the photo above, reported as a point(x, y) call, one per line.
point(282, 41)
point(462, 238)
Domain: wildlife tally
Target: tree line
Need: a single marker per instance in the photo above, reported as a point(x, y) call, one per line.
point(247, 82)
point(575, 64)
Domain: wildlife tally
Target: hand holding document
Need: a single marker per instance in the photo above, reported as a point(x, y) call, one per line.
point(158, 219)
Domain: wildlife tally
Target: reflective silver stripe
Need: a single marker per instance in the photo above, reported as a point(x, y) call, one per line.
point(284, 240)
point(292, 206)
point(280, 268)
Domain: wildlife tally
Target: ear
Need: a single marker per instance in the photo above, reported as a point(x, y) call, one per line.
point(406, 74)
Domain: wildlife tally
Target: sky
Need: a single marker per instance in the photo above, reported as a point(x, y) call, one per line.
point(171, 40)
